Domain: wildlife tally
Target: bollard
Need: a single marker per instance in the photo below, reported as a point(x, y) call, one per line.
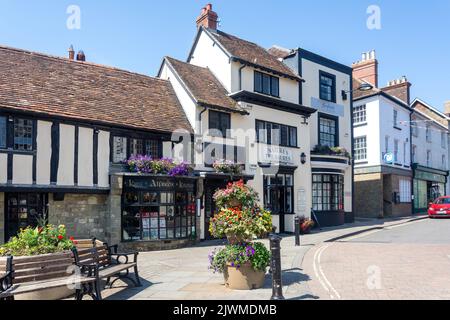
point(275, 266)
point(297, 231)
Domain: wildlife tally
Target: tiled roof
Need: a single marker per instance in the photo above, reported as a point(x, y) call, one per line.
point(278, 52)
point(89, 92)
point(358, 94)
point(204, 86)
point(252, 53)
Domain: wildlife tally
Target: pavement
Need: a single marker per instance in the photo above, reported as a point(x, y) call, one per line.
point(183, 274)
point(403, 262)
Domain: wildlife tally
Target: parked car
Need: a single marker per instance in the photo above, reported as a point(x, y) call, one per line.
point(439, 208)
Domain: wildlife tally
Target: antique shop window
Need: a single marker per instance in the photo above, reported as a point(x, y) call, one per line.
point(328, 192)
point(158, 209)
point(136, 147)
point(23, 134)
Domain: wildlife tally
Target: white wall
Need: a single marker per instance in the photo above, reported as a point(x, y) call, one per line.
point(22, 169)
point(207, 54)
point(289, 89)
point(186, 101)
point(3, 168)
point(85, 158)
point(103, 159)
point(44, 152)
point(434, 146)
point(66, 155)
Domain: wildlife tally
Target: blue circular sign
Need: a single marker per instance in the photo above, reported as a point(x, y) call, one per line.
point(388, 158)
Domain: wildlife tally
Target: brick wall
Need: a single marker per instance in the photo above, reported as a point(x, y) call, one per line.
point(431, 114)
point(369, 195)
point(83, 215)
point(399, 209)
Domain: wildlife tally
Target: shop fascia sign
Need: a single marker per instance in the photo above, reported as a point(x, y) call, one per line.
point(276, 154)
point(328, 107)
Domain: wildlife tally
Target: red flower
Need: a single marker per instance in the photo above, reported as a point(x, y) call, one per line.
point(60, 237)
point(72, 239)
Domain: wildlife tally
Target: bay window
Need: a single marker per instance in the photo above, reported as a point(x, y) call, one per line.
point(328, 192)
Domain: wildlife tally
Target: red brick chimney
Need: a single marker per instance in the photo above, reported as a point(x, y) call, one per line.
point(367, 69)
point(399, 88)
point(81, 56)
point(208, 18)
point(71, 53)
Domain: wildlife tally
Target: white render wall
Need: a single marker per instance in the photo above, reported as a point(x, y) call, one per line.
point(44, 152)
point(66, 155)
point(380, 123)
point(434, 146)
point(3, 168)
point(207, 54)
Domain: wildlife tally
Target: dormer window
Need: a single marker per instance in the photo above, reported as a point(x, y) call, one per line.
point(267, 84)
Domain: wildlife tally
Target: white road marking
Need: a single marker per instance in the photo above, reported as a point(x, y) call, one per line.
point(326, 284)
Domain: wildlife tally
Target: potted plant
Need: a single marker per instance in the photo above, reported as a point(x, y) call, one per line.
point(165, 166)
point(226, 166)
point(243, 265)
point(43, 240)
point(241, 220)
point(306, 224)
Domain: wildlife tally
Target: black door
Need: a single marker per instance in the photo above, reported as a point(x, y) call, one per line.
point(23, 210)
point(278, 196)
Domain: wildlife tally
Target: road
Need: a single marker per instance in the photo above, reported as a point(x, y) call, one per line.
point(410, 261)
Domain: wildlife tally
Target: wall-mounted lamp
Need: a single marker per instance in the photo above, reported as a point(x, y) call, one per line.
point(303, 158)
point(305, 120)
point(363, 87)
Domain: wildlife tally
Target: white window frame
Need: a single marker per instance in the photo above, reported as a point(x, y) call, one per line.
point(360, 147)
point(360, 114)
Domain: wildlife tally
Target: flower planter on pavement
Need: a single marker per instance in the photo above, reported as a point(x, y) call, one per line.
point(243, 278)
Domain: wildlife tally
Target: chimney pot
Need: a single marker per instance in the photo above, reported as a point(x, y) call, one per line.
point(71, 53)
point(208, 18)
point(81, 56)
point(367, 69)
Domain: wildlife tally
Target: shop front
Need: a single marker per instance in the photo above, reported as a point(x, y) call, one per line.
point(159, 211)
point(429, 184)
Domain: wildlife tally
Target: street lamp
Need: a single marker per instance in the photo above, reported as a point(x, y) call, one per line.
point(363, 87)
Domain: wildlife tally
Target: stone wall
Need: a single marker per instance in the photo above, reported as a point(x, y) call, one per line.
point(369, 195)
point(84, 215)
point(113, 220)
point(2, 217)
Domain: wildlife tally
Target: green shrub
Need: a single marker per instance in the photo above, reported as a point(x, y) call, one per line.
point(36, 241)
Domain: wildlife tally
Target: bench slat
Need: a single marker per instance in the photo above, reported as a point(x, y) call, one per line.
point(114, 269)
point(43, 264)
point(39, 286)
point(38, 277)
point(47, 257)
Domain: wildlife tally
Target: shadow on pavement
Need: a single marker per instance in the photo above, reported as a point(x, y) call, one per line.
point(129, 290)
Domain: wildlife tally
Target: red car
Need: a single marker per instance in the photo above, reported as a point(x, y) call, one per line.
point(439, 208)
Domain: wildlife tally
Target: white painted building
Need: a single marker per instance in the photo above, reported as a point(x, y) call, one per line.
point(237, 87)
point(382, 143)
point(430, 151)
point(327, 87)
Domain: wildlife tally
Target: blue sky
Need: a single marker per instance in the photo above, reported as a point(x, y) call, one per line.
point(135, 35)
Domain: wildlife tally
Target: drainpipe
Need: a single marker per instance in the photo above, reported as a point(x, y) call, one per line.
point(200, 120)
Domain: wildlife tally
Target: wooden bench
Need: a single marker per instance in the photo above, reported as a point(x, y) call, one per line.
point(20, 275)
point(111, 264)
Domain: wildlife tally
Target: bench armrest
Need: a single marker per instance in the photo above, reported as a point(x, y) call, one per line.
point(125, 255)
point(6, 281)
point(89, 270)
